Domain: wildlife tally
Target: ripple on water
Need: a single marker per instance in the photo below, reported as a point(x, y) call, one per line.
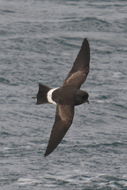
point(38, 43)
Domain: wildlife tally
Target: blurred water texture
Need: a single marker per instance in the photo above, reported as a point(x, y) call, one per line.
point(39, 41)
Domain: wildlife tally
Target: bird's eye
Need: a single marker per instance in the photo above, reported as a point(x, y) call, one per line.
point(85, 97)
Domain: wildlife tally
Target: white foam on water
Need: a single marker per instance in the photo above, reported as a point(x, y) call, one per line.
point(28, 181)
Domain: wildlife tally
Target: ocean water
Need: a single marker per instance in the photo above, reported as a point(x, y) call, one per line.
point(39, 41)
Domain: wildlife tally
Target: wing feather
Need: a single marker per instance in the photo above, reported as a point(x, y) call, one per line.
point(80, 69)
point(63, 120)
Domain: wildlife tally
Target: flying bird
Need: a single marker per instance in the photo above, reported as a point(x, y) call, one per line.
point(66, 97)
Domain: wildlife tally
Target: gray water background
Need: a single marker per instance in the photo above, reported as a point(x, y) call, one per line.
point(39, 41)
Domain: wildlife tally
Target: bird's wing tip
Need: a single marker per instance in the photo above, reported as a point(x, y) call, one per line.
point(85, 41)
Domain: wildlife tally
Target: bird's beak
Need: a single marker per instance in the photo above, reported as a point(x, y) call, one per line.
point(87, 101)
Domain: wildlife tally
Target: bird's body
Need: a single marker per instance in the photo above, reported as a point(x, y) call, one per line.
point(66, 97)
point(69, 96)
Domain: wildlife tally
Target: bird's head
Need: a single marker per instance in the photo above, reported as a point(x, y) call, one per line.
point(81, 97)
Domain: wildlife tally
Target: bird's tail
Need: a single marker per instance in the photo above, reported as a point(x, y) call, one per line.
point(42, 94)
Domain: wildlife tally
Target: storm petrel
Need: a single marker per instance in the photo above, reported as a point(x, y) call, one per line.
point(66, 97)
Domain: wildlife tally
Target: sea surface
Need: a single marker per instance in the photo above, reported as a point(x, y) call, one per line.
point(39, 41)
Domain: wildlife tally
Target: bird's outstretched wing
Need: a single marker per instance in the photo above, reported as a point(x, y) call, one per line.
point(80, 68)
point(63, 120)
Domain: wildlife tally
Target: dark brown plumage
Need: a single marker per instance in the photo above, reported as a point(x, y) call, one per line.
point(67, 96)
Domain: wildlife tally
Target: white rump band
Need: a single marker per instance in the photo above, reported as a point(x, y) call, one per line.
point(49, 96)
